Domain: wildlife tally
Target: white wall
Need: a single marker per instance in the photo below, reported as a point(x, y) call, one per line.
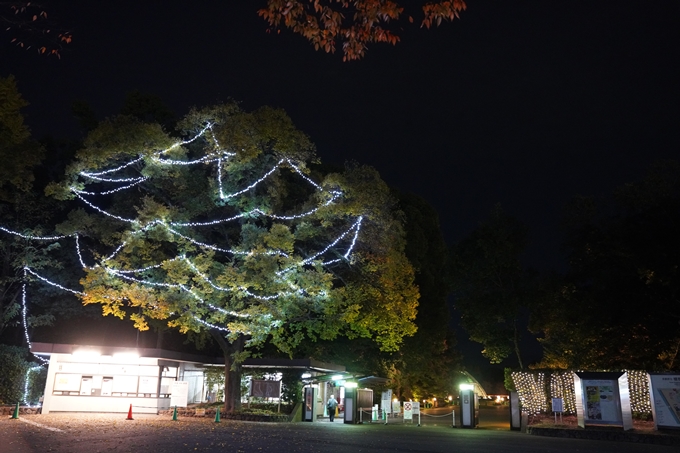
point(106, 384)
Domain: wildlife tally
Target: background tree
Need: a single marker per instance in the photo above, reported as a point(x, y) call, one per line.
point(428, 360)
point(20, 153)
point(25, 211)
point(491, 289)
point(227, 231)
point(27, 26)
point(618, 305)
point(425, 363)
point(353, 24)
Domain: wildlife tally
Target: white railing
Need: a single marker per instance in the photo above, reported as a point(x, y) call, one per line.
point(384, 415)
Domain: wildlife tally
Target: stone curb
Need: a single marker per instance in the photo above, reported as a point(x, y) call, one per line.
point(23, 410)
point(616, 436)
point(181, 412)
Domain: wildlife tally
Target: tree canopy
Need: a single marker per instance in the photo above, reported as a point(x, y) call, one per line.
point(617, 307)
point(490, 285)
point(28, 27)
point(426, 362)
point(353, 24)
point(25, 211)
point(229, 229)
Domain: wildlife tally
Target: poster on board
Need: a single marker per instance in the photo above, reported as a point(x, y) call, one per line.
point(179, 393)
point(603, 398)
point(665, 395)
point(260, 388)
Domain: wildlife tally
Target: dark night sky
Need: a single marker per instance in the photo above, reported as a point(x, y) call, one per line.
point(526, 103)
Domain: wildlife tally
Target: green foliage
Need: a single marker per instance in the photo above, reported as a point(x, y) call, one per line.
point(214, 377)
point(291, 383)
point(36, 384)
point(490, 286)
point(617, 306)
point(266, 282)
point(508, 382)
point(424, 364)
point(12, 374)
point(23, 209)
point(428, 361)
point(148, 108)
point(18, 152)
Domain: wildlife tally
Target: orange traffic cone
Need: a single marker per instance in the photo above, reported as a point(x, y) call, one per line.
point(130, 414)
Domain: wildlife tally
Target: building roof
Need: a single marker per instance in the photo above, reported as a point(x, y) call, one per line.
point(47, 349)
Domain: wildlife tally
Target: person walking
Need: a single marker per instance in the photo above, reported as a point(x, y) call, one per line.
point(331, 406)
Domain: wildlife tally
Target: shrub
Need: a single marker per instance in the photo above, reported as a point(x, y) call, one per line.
point(12, 374)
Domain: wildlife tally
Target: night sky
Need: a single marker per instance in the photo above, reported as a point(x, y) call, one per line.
point(526, 103)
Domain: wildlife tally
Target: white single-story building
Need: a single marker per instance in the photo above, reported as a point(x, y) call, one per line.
point(110, 379)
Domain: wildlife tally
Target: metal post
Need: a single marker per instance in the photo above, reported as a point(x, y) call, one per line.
point(418, 418)
point(453, 412)
point(361, 416)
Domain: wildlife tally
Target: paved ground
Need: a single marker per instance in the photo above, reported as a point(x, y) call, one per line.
point(87, 433)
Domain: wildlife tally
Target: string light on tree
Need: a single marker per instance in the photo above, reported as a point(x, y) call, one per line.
point(239, 239)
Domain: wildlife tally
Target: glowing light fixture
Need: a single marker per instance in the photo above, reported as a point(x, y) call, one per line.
point(86, 353)
point(123, 356)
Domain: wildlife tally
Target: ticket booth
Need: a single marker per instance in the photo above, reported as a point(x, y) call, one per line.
point(356, 400)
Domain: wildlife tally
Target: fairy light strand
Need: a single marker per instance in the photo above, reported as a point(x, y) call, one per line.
point(122, 219)
point(253, 185)
point(49, 282)
point(28, 236)
point(534, 394)
point(219, 157)
point(109, 192)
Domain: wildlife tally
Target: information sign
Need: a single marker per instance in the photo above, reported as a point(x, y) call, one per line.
point(386, 400)
point(602, 400)
point(665, 393)
point(408, 410)
point(260, 388)
point(396, 407)
point(557, 405)
point(179, 393)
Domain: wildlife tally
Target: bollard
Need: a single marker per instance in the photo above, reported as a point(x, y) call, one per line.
point(174, 415)
point(15, 415)
point(217, 415)
point(453, 425)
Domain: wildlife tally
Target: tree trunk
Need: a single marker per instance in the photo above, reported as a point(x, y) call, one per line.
point(515, 341)
point(232, 370)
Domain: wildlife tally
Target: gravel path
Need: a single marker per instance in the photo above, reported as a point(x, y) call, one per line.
point(100, 433)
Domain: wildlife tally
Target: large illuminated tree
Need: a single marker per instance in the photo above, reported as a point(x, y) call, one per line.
point(229, 230)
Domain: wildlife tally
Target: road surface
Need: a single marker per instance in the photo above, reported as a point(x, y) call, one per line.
point(104, 433)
